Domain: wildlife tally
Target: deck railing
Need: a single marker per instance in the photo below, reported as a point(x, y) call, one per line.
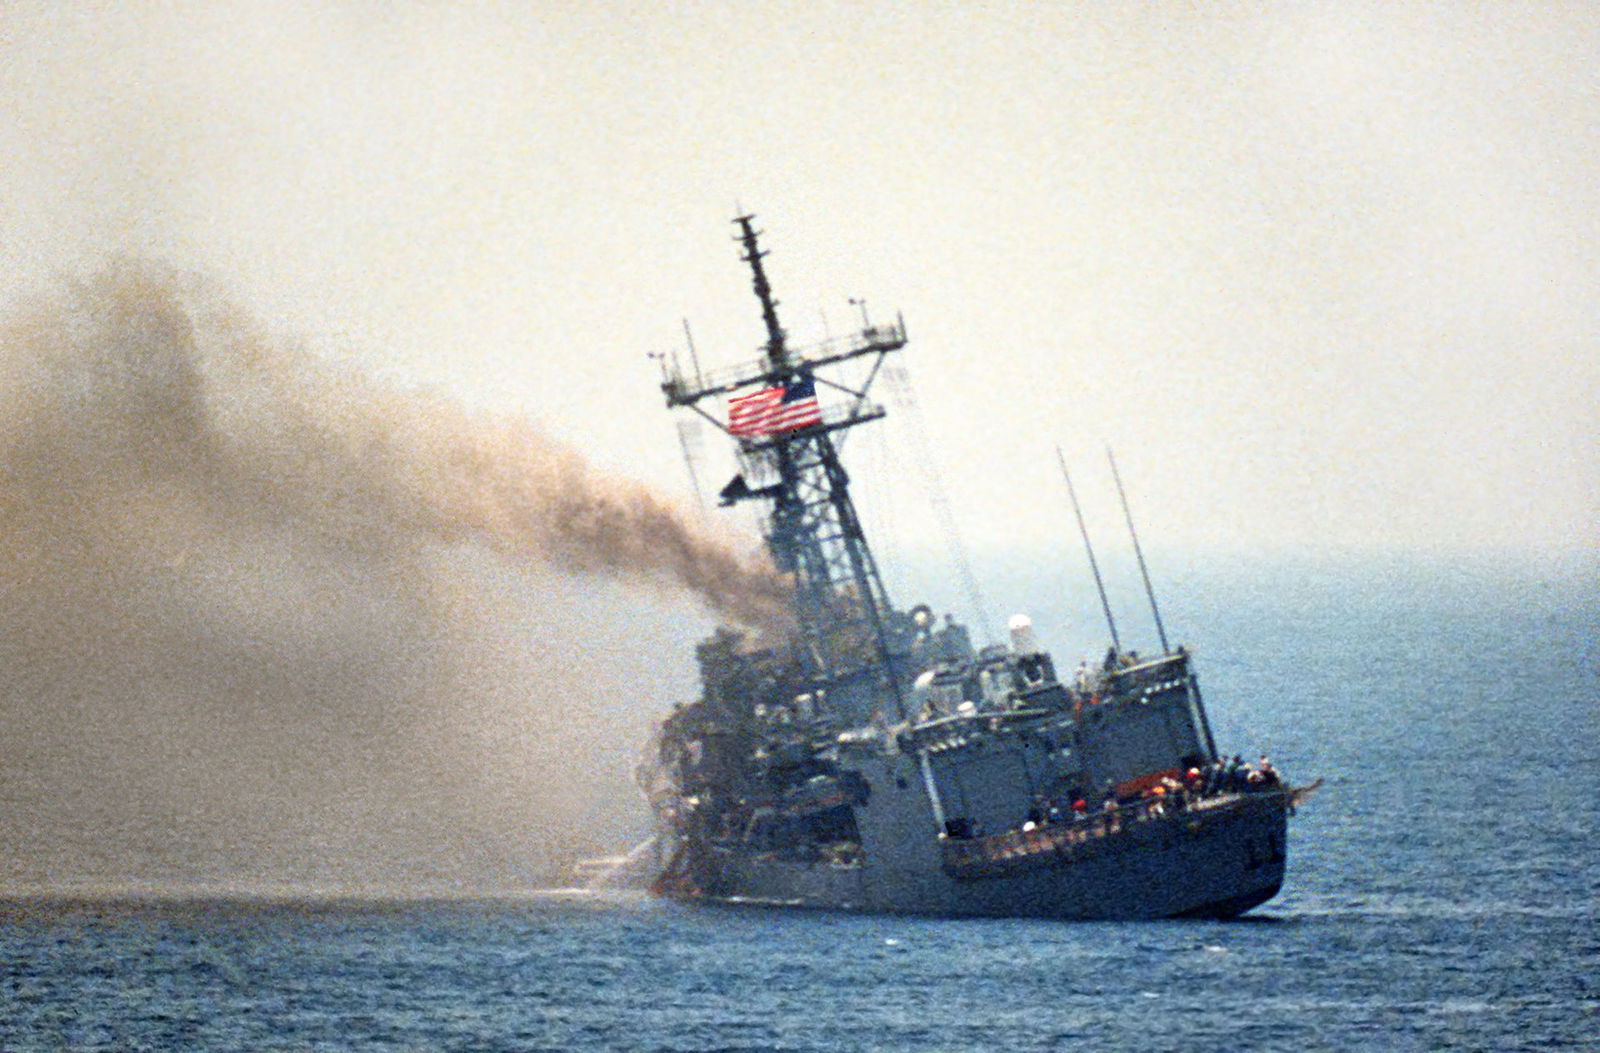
point(983, 856)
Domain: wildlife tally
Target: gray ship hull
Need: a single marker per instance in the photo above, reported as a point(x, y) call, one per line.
point(1217, 860)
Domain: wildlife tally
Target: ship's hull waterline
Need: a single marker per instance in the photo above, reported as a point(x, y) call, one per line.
point(1188, 864)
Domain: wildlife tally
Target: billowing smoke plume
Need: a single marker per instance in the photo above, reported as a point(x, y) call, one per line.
point(125, 387)
point(266, 620)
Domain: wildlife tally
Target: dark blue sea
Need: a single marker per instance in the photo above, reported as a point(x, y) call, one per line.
point(1442, 887)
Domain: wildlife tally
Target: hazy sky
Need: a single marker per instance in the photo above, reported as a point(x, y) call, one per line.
point(1321, 272)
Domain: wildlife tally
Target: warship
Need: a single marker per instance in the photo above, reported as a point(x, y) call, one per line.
point(870, 758)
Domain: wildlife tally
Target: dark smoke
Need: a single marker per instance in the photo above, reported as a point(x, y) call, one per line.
point(270, 623)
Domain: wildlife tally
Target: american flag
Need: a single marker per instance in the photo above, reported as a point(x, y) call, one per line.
point(773, 411)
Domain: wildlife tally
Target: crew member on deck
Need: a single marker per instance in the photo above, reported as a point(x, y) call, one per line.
point(1269, 774)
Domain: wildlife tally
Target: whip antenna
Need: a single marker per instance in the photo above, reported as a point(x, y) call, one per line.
point(1089, 548)
point(1139, 552)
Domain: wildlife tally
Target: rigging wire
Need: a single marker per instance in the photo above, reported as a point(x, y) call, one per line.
point(878, 506)
point(898, 380)
point(692, 444)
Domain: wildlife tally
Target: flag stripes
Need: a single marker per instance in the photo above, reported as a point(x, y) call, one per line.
point(775, 410)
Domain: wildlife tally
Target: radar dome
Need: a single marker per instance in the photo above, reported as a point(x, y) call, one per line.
point(1023, 640)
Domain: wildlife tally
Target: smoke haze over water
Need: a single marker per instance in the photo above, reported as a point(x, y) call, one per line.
point(269, 622)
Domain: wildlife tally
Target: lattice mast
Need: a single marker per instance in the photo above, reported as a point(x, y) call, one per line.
point(812, 530)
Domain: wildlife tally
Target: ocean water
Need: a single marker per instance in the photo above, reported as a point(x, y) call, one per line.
point(1442, 892)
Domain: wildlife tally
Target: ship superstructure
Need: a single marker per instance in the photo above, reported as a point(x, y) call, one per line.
point(869, 757)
